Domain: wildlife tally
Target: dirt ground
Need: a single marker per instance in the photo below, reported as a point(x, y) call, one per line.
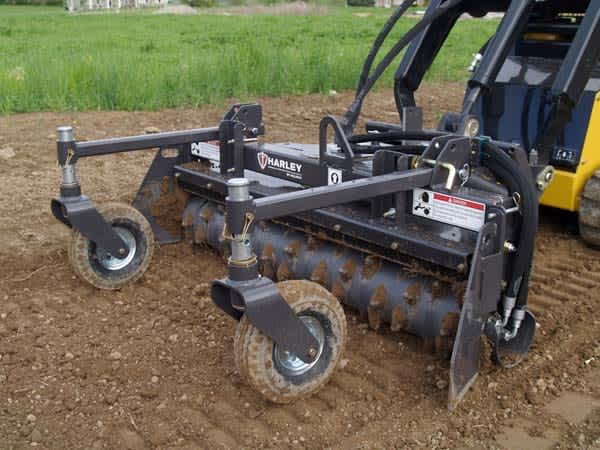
point(151, 366)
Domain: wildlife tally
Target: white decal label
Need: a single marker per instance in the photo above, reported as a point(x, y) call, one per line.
point(290, 168)
point(207, 151)
point(334, 176)
point(448, 209)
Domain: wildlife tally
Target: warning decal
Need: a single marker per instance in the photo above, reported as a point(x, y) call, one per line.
point(448, 209)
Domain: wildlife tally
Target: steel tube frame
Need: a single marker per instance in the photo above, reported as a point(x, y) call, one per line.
point(350, 191)
point(142, 142)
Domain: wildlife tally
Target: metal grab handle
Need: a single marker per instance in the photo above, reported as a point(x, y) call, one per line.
point(343, 162)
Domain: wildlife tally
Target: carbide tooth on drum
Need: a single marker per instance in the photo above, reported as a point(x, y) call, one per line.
point(293, 249)
point(399, 320)
point(207, 214)
point(437, 289)
point(199, 235)
point(347, 270)
point(319, 274)
point(283, 272)
point(370, 267)
point(338, 289)
point(377, 302)
point(412, 294)
point(450, 324)
point(312, 243)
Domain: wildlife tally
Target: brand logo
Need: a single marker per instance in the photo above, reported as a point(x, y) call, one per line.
point(291, 168)
point(263, 160)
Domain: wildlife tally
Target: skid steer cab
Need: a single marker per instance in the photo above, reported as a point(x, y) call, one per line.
point(425, 231)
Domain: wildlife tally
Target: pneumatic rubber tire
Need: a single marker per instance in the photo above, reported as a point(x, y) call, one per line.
point(589, 211)
point(102, 271)
point(257, 356)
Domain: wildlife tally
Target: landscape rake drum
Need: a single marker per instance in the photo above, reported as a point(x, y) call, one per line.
point(429, 232)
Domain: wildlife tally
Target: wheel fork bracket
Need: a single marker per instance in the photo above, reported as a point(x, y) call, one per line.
point(79, 213)
point(259, 300)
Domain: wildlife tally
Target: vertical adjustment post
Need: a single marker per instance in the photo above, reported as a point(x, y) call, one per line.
point(69, 184)
point(242, 264)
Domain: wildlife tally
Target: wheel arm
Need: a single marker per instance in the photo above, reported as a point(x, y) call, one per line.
point(79, 213)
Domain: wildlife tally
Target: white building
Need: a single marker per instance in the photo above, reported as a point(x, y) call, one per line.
point(92, 5)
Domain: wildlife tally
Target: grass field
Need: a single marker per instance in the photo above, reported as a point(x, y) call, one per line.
point(52, 61)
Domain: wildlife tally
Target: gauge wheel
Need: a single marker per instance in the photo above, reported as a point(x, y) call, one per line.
point(589, 211)
point(278, 375)
point(103, 270)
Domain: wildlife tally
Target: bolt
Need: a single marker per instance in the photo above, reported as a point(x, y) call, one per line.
point(509, 247)
point(394, 246)
point(337, 227)
point(312, 352)
point(464, 172)
point(209, 185)
point(121, 251)
point(461, 268)
point(389, 213)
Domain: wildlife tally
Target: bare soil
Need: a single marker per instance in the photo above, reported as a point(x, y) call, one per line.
point(151, 366)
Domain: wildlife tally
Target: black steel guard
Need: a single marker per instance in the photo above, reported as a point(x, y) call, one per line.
point(481, 300)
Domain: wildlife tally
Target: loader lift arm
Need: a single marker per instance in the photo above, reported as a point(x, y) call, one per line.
point(568, 86)
point(581, 59)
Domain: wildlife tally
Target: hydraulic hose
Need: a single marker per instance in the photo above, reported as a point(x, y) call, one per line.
point(521, 181)
point(379, 40)
point(387, 136)
point(353, 111)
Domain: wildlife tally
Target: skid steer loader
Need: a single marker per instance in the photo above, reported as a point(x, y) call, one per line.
point(429, 232)
point(545, 97)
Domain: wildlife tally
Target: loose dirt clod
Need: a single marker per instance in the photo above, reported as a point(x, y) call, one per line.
point(7, 153)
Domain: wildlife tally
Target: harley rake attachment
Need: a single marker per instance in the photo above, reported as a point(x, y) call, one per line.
point(420, 230)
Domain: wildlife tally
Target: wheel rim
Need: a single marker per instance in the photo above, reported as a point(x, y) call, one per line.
point(112, 263)
point(288, 363)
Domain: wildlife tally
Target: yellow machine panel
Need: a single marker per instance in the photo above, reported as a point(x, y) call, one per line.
point(565, 190)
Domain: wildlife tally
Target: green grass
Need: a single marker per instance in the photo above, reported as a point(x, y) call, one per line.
point(136, 60)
